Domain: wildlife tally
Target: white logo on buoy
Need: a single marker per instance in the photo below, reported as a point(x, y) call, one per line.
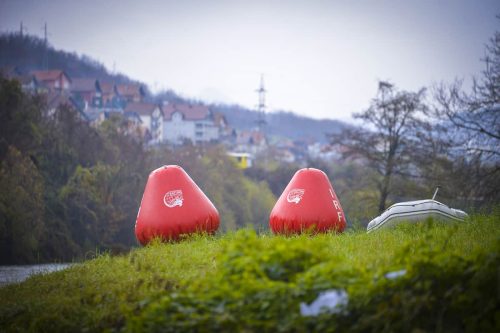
point(295, 195)
point(173, 198)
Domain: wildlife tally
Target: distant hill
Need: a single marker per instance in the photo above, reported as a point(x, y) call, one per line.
point(281, 123)
point(29, 53)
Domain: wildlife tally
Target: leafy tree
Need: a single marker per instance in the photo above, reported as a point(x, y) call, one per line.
point(240, 200)
point(276, 175)
point(353, 184)
point(89, 201)
point(87, 182)
point(19, 117)
point(22, 227)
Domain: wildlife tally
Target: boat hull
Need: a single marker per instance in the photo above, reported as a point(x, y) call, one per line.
point(415, 211)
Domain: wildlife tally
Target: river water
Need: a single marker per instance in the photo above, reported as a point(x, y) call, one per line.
point(19, 273)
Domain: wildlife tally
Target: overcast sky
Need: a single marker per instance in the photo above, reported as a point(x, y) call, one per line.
point(319, 58)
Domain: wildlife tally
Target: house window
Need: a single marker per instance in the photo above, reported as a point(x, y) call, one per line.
point(199, 134)
point(198, 125)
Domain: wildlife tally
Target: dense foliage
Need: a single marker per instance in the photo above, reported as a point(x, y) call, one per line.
point(69, 188)
point(427, 277)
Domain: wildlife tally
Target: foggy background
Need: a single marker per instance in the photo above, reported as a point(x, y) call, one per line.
point(320, 58)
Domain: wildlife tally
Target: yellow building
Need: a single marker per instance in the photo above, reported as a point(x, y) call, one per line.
point(243, 160)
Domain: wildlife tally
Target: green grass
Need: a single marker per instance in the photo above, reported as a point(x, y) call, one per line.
point(247, 282)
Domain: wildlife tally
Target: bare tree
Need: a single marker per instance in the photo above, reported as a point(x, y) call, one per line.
point(471, 125)
point(393, 129)
point(474, 117)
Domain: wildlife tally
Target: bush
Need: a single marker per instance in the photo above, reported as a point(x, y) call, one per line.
point(261, 282)
point(428, 277)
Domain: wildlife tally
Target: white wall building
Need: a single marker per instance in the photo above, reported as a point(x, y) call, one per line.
point(151, 117)
point(189, 122)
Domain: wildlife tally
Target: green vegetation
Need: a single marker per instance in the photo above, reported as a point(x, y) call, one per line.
point(243, 281)
point(69, 188)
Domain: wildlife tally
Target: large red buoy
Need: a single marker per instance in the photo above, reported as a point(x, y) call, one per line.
point(307, 203)
point(173, 205)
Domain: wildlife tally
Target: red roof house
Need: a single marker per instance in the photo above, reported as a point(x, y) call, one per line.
point(53, 79)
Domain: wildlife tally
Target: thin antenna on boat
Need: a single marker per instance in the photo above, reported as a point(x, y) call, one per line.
point(435, 192)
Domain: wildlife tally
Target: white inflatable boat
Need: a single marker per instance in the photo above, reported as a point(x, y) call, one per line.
point(414, 211)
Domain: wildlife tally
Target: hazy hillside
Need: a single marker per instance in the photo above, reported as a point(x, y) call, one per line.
point(281, 123)
point(30, 53)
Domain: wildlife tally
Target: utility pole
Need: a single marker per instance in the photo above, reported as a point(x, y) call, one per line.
point(46, 52)
point(261, 107)
point(21, 30)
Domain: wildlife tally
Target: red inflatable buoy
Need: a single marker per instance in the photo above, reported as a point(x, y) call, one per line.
point(173, 205)
point(307, 203)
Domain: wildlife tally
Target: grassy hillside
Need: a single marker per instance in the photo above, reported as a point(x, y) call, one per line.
point(446, 280)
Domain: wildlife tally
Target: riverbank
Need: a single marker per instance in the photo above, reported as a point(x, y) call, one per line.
point(19, 273)
point(431, 277)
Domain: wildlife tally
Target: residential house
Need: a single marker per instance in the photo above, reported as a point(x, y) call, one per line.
point(11, 71)
point(189, 122)
point(86, 92)
point(329, 152)
point(130, 92)
point(55, 79)
point(285, 155)
point(133, 117)
point(28, 82)
point(151, 116)
point(96, 115)
point(56, 99)
point(107, 90)
point(225, 130)
point(135, 127)
point(250, 141)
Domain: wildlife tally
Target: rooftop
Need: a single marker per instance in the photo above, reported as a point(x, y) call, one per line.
point(83, 85)
point(131, 89)
point(141, 108)
point(50, 75)
point(189, 111)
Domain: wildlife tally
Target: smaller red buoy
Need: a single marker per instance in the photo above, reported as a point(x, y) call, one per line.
point(173, 205)
point(307, 203)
